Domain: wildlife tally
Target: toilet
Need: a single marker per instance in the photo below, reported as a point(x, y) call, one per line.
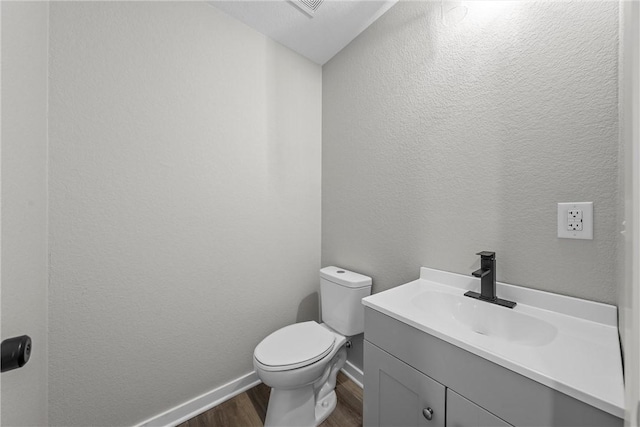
point(300, 362)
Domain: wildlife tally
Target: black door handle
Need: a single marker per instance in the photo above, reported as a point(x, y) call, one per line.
point(15, 352)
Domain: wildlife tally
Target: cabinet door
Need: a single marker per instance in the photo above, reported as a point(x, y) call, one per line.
point(397, 395)
point(464, 413)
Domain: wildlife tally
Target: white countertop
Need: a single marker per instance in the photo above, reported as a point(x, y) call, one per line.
point(565, 343)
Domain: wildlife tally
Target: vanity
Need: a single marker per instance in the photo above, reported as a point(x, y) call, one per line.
point(433, 357)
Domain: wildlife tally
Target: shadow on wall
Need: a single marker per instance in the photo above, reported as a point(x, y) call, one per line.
point(308, 309)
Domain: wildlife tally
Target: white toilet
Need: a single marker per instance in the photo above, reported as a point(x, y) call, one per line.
point(300, 361)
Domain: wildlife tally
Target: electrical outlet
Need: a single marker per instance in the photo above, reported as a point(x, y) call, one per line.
point(574, 226)
point(575, 220)
point(575, 214)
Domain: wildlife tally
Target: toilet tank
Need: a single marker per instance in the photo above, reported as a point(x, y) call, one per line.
point(341, 293)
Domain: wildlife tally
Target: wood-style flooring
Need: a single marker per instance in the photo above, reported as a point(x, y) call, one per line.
point(250, 408)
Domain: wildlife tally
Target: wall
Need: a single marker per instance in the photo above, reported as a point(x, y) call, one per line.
point(442, 138)
point(24, 206)
point(185, 203)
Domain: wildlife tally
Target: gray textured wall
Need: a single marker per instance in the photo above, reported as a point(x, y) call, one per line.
point(185, 203)
point(443, 138)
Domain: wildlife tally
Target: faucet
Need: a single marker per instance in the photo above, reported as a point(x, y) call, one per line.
point(487, 275)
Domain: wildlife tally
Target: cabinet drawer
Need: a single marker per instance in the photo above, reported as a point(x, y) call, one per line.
point(464, 413)
point(395, 394)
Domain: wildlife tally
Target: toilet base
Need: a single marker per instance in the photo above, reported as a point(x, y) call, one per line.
point(294, 408)
point(325, 407)
point(291, 408)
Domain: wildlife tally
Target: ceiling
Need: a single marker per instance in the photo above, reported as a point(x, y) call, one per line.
point(317, 36)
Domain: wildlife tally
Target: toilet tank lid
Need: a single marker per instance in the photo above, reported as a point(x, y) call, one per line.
point(345, 277)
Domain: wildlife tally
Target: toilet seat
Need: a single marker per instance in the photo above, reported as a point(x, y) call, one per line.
point(294, 346)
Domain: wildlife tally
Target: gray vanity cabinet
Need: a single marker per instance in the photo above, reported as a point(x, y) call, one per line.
point(407, 371)
point(396, 395)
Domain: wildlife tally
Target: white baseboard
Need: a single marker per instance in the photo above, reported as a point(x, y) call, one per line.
point(354, 373)
point(202, 403)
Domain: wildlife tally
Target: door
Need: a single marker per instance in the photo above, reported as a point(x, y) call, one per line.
point(395, 394)
point(23, 202)
point(629, 291)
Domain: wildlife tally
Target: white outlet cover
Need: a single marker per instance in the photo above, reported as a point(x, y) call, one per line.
point(587, 220)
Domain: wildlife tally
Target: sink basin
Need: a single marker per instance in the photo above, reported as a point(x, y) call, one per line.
point(487, 319)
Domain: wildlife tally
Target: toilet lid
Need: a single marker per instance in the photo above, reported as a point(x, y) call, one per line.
point(294, 346)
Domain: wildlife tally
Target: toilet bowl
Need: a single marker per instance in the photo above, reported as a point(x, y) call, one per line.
point(300, 362)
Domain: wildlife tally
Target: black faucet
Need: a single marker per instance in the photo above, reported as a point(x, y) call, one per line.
point(487, 275)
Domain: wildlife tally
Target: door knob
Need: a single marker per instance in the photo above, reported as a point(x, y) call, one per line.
point(15, 352)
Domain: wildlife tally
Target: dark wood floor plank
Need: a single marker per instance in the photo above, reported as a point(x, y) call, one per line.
point(249, 409)
point(259, 396)
point(235, 412)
